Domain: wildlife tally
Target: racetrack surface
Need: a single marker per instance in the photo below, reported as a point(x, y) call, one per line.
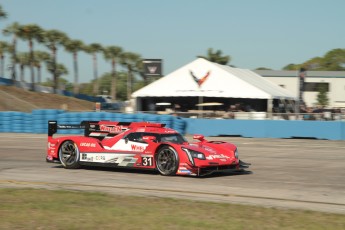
point(285, 173)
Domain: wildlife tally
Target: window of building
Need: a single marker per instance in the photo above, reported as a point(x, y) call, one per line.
point(315, 86)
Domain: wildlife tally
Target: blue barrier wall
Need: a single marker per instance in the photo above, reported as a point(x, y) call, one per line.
point(332, 130)
point(37, 121)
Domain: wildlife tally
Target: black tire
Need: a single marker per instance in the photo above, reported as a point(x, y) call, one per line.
point(69, 155)
point(167, 161)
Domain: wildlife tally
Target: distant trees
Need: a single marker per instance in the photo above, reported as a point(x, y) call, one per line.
point(93, 49)
point(13, 30)
point(333, 60)
point(31, 33)
point(322, 98)
point(263, 68)
point(4, 47)
point(113, 54)
point(3, 14)
point(52, 39)
point(216, 56)
point(39, 58)
point(129, 60)
point(74, 46)
point(23, 59)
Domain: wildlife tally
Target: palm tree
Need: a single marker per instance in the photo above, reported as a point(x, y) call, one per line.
point(30, 33)
point(74, 46)
point(13, 30)
point(4, 47)
point(58, 70)
point(23, 59)
point(112, 53)
point(129, 60)
point(39, 57)
point(216, 57)
point(139, 66)
point(3, 14)
point(52, 39)
point(93, 49)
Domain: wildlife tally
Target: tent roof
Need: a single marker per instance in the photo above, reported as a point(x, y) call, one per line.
point(222, 81)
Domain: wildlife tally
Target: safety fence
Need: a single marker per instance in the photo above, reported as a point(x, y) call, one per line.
point(37, 121)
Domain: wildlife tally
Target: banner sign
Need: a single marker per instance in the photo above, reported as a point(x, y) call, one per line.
point(153, 67)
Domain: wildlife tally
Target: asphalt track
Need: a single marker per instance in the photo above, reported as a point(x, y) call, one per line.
point(285, 173)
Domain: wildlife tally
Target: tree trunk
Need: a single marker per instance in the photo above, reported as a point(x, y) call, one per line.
point(95, 75)
point(113, 81)
point(76, 86)
point(129, 82)
point(2, 73)
point(14, 58)
point(39, 80)
point(55, 76)
point(21, 73)
point(32, 65)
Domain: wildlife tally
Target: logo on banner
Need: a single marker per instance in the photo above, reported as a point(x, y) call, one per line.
point(201, 80)
point(152, 69)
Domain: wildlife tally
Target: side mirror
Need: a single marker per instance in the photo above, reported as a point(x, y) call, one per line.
point(149, 138)
point(199, 137)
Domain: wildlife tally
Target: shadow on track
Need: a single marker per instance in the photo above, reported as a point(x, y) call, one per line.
point(155, 172)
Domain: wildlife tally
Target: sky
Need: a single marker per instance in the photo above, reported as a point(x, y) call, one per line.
point(265, 33)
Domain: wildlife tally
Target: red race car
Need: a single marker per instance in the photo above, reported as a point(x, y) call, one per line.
point(140, 145)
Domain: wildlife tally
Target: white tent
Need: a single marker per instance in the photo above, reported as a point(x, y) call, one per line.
point(222, 82)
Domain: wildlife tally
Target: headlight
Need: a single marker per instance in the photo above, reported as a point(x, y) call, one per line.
point(193, 154)
point(236, 153)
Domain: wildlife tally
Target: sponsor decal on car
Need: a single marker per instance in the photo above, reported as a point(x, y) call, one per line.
point(119, 159)
point(221, 156)
point(112, 128)
point(169, 131)
point(131, 146)
point(183, 171)
point(210, 149)
point(51, 145)
point(86, 144)
point(138, 148)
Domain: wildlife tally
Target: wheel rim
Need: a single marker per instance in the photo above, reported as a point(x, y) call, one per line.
point(68, 153)
point(166, 161)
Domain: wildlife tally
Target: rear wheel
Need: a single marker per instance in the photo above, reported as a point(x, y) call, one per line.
point(167, 161)
point(69, 155)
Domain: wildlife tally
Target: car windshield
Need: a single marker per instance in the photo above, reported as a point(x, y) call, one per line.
point(173, 138)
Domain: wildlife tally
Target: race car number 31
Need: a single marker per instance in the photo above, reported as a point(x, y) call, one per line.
point(146, 161)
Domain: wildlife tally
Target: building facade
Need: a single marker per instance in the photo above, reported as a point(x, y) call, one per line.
point(332, 81)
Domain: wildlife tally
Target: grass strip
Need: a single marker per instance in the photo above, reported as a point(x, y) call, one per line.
point(51, 209)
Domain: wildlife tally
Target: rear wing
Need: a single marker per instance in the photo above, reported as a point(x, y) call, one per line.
point(99, 128)
point(53, 127)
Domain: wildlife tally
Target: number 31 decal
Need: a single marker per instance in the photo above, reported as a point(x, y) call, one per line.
point(146, 161)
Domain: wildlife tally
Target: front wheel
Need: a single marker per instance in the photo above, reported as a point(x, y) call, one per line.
point(69, 155)
point(167, 161)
